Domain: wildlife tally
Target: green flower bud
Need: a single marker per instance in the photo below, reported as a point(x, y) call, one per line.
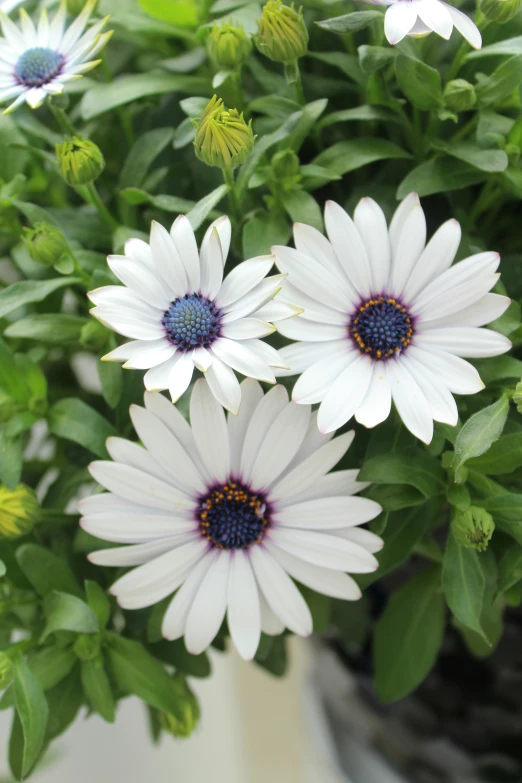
point(281, 33)
point(75, 7)
point(500, 11)
point(473, 528)
point(7, 671)
point(18, 511)
point(285, 165)
point(190, 707)
point(94, 335)
point(228, 46)
point(517, 396)
point(87, 646)
point(460, 95)
point(46, 243)
point(223, 138)
point(80, 160)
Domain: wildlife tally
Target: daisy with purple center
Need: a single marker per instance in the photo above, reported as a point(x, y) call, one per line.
point(226, 513)
point(386, 317)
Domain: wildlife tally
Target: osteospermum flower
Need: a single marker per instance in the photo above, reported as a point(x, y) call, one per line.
point(420, 17)
point(182, 314)
point(39, 61)
point(228, 513)
point(387, 317)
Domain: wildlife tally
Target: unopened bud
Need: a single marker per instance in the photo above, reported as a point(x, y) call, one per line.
point(7, 671)
point(87, 646)
point(46, 243)
point(18, 511)
point(473, 528)
point(460, 95)
point(228, 46)
point(500, 11)
point(281, 33)
point(223, 138)
point(94, 335)
point(80, 160)
point(189, 706)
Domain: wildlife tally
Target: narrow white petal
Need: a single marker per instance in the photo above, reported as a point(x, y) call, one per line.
point(261, 420)
point(277, 311)
point(140, 251)
point(254, 299)
point(241, 359)
point(157, 378)
point(244, 615)
point(345, 395)
point(137, 554)
point(123, 450)
point(134, 485)
point(300, 328)
point(363, 537)
point(342, 482)
point(156, 352)
point(280, 444)
point(135, 528)
point(435, 16)
point(57, 26)
point(185, 242)
point(140, 280)
point(120, 296)
point(437, 256)
point(465, 26)
point(224, 229)
point(175, 618)
point(270, 622)
point(409, 247)
point(466, 341)
point(398, 20)
point(399, 218)
point(322, 580)
point(247, 329)
point(310, 241)
point(312, 308)
point(315, 383)
point(76, 28)
point(440, 401)
point(167, 260)
point(300, 356)
point(137, 326)
point(265, 353)
point(251, 395)
point(458, 375)
point(410, 401)
point(209, 428)
point(212, 270)
point(242, 279)
point(482, 312)
point(28, 29)
point(280, 592)
point(209, 606)
point(314, 280)
point(371, 224)
point(325, 550)
point(458, 298)
point(224, 385)
point(107, 502)
point(467, 272)
point(349, 248)
point(35, 97)
point(376, 405)
point(326, 513)
point(202, 358)
point(313, 441)
point(180, 376)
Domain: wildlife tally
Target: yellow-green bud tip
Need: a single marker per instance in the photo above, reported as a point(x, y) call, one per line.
point(46, 243)
point(473, 528)
point(228, 46)
point(223, 138)
point(182, 727)
point(459, 95)
point(500, 11)
point(281, 33)
point(81, 161)
point(7, 671)
point(18, 511)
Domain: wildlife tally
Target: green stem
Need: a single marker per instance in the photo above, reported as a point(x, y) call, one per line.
point(487, 196)
point(228, 175)
point(293, 77)
point(61, 118)
point(461, 133)
point(95, 200)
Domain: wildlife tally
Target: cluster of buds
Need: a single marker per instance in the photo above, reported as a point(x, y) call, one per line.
point(223, 138)
point(473, 528)
point(18, 511)
point(81, 161)
point(281, 34)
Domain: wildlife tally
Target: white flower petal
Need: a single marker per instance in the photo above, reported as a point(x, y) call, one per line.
point(265, 353)
point(300, 328)
point(180, 376)
point(107, 502)
point(458, 375)
point(224, 385)
point(262, 419)
point(117, 296)
point(278, 311)
point(371, 224)
point(209, 606)
point(254, 299)
point(482, 312)
point(323, 580)
point(123, 321)
point(458, 298)
point(167, 261)
point(242, 279)
point(398, 20)
point(410, 401)
point(251, 395)
point(35, 97)
point(156, 352)
point(342, 482)
point(300, 356)
point(270, 622)
point(440, 401)
point(185, 242)
point(202, 358)
point(466, 341)
point(435, 16)
point(399, 218)
point(314, 280)
point(247, 329)
point(134, 485)
point(212, 267)
point(409, 247)
point(224, 229)
point(175, 618)
point(137, 554)
point(466, 27)
point(313, 440)
point(157, 378)
point(310, 241)
point(470, 272)
point(349, 248)
point(240, 358)
point(326, 513)
point(57, 26)
point(363, 537)
point(209, 428)
point(121, 450)
point(244, 615)
point(280, 592)
point(313, 310)
point(315, 383)
point(437, 256)
point(376, 405)
point(135, 528)
point(140, 251)
point(74, 32)
point(280, 444)
point(138, 279)
point(345, 395)
point(325, 550)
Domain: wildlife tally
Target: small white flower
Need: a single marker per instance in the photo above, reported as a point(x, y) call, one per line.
point(181, 314)
point(420, 17)
point(39, 61)
point(225, 512)
point(387, 317)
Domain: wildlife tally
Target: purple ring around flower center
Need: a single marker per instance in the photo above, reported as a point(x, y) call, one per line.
point(232, 516)
point(192, 321)
point(381, 327)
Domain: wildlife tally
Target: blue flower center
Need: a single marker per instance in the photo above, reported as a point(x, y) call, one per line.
point(232, 516)
point(38, 66)
point(192, 322)
point(381, 327)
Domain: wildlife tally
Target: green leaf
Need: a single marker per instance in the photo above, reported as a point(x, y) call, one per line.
point(54, 328)
point(420, 83)
point(3, 569)
point(176, 654)
point(11, 459)
point(504, 456)
point(506, 509)
point(359, 113)
point(64, 701)
point(31, 708)
point(125, 89)
point(97, 688)
point(46, 571)
point(51, 664)
point(346, 156)
point(110, 375)
point(33, 375)
point(394, 497)
point(142, 155)
point(263, 145)
point(350, 23)
point(375, 58)
point(66, 612)
point(410, 466)
point(177, 12)
point(439, 176)
point(478, 433)
point(199, 212)
point(458, 495)
point(303, 208)
point(74, 420)
point(509, 569)
point(263, 231)
point(98, 602)
point(162, 201)
point(347, 63)
point(185, 134)
point(12, 381)
point(463, 582)
point(485, 160)
point(501, 83)
point(28, 291)
point(136, 671)
point(307, 120)
point(408, 636)
point(498, 368)
point(510, 46)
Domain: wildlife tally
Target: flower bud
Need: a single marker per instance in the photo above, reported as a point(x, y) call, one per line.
point(190, 707)
point(223, 138)
point(18, 511)
point(87, 646)
point(228, 46)
point(285, 165)
point(75, 7)
point(46, 243)
point(460, 95)
point(7, 671)
point(473, 528)
point(281, 33)
point(80, 160)
point(500, 11)
point(93, 335)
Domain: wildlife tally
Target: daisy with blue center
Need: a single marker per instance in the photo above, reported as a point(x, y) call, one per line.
point(37, 61)
point(387, 317)
point(226, 513)
point(182, 315)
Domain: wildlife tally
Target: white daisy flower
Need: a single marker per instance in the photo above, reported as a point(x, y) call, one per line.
point(420, 17)
point(228, 513)
point(387, 317)
point(182, 315)
point(39, 61)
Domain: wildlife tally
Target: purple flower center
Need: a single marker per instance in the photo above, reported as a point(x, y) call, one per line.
point(231, 516)
point(381, 327)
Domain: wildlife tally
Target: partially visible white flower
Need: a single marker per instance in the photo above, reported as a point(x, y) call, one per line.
point(387, 317)
point(39, 61)
point(182, 315)
point(228, 513)
point(420, 17)
point(9, 5)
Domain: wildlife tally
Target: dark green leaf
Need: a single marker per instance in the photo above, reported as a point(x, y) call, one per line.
point(12, 381)
point(142, 155)
point(307, 120)
point(54, 328)
point(51, 664)
point(31, 708)
point(74, 420)
point(64, 701)
point(463, 581)
point(176, 654)
point(510, 46)
point(350, 23)
point(198, 213)
point(498, 368)
point(303, 208)
point(46, 571)
point(64, 612)
point(98, 602)
point(163, 201)
point(509, 569)
point(97, 688)
point(263, 231)
point(272, 656)
point(439, 176)
point(394, 497)
point(261, 146)
point(374, 58)
point(346, 156)
point(11, 459)
point(506, 78)
point(504, 456)
point(347, 63)
point(479, 432)
point(506, 510)
point(408, 636)
point(485, 160)
point(359, 113)
point(413, 467)
point(458, 495)
point(27, 291)
point(420, 83)
point(111, 376)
